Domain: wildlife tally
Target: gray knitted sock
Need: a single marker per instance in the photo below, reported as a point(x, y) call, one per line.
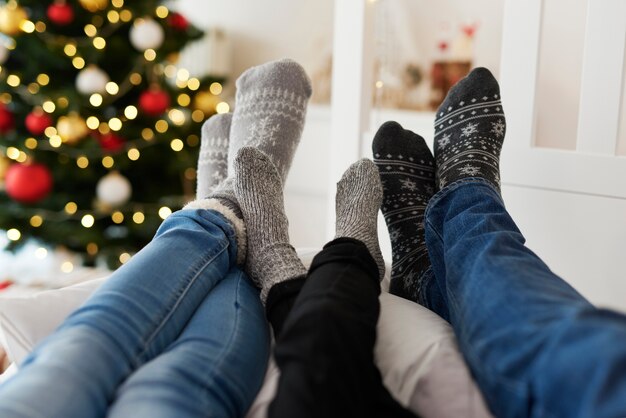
point(270, 108)
point(213, 158)
point(469, 130)
point(258, 188)
point(359, 197)
point(214, 190)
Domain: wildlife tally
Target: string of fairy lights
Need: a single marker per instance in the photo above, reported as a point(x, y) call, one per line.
point(69, 128)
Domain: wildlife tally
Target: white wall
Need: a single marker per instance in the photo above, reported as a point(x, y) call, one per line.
point(264, 30)
point(420, 24)
point(621, 144)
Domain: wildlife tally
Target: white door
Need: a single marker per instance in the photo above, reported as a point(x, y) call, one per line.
point(570, 203)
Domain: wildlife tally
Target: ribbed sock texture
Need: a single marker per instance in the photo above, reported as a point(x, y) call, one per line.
point(271, 103)
point(469, 130)
point(213, 157)
point(359, 196)
point(225, 193)
point(407, 173)
point(258, 188)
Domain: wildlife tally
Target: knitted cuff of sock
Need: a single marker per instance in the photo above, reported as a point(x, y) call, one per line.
point(277, 263)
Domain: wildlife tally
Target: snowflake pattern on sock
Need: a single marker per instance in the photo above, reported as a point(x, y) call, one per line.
point(270, 108)
point(407, 172)
point(271, 119)
point(469, 130)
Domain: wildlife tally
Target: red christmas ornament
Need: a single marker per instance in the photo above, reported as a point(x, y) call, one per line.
point(37, 121)
point(154, 102)
point(178, 22)
point(111, 142)
point(60, 13)
point(28, 183)
point(7, 120)
point(5, 284)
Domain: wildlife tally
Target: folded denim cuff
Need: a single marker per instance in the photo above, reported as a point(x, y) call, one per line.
point(236, 223)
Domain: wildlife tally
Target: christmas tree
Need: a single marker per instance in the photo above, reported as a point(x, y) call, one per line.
point(98, 126)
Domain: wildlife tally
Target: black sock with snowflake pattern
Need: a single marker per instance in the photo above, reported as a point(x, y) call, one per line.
point(469, 130)
point(407, 172)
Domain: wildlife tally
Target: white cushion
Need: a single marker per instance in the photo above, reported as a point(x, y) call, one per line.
point(24, 321)
point(416, 351)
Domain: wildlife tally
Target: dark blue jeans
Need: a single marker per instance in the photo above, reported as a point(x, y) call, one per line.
point(536, 347)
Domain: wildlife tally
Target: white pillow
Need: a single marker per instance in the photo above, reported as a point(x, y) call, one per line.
point(416, 351)
point(417, 354)
point(24, 321)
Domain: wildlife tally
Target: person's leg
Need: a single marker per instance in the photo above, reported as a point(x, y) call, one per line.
point(534, 344)
point(325, 350)
point(213, 369)
point(130, 319)
point(280, 301)
point(325, 325)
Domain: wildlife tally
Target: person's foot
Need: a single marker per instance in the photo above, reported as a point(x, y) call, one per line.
point(359, 196)
point(469, 130)
point(213, 157)
point(212, 175)
point(407, 172)
point(270, 108)
point(258, 188)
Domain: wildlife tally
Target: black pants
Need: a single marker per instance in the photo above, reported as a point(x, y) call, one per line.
point(325, 327)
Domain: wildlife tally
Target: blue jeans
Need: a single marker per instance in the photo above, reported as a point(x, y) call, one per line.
point(177, 331)
point(535, 346)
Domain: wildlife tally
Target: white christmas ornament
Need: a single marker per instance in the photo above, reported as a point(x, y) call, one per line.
point(4, 54)
point(146, 34)
point(113, 189)
point(92, 80)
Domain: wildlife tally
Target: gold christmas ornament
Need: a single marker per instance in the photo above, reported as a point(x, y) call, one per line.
point(94, 5)
point(72, 128)
point(206, 102)
point(4, 166)
point(11, 16)
point(173, 57)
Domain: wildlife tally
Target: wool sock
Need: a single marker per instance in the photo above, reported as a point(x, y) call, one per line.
point(359, 196)
point(212, 176)
point(213, 158)
point(269, 114)
point(469, 130)
point(407, 173)
point(258, 188)
point(271, 105)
